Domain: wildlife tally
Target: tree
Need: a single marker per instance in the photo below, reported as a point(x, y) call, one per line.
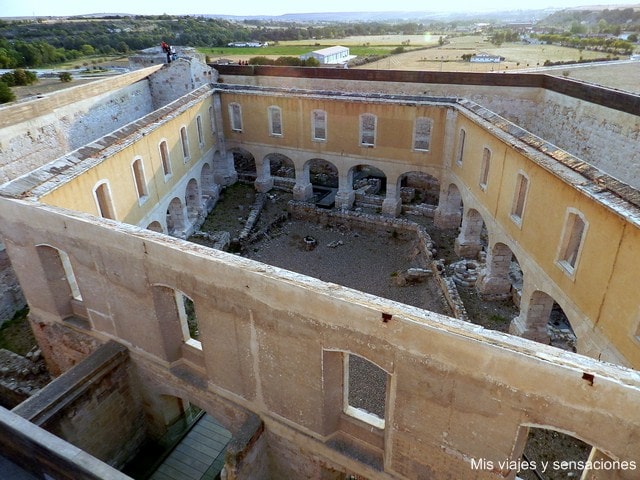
point(65, 77)
point(6, 95)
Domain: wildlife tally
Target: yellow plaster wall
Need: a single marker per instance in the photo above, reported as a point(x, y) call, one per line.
point(77, 194)
point(394, 129)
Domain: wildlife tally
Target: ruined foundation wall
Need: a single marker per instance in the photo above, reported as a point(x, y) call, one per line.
point(95, 406)
point(11, 296)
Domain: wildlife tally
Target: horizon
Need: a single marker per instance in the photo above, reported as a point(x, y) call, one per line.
point(248, 8)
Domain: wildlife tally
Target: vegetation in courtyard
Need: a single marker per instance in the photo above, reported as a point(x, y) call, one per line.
point(16, 334)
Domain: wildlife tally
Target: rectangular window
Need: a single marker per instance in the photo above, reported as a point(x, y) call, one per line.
point(422, 134)
point(461, 139)
point(235, 113)
point(572, 239)
point(368, 130)
point(519, 198)
point(185, 143)
point(164, 156)
point(484, 168)
point(199, 127)
point(275, 121)
point(319, 125)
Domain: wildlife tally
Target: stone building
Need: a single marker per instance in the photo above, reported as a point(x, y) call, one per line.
point(103, 182)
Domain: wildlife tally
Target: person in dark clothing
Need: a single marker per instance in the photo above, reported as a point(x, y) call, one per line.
point(166, 49)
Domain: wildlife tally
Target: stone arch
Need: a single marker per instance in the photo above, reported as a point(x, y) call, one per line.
point(494, 281)
point(543, 320)
point(472, 237)
point(538, 443)
point(419, 188)
point(322, 173)
point(60, 278)
point(176, 218)
point(368, 180)
point(324, 179)
point(193, 201)
point(449, 211)
point(280, 166)
point(245, 164)
point(155, 226)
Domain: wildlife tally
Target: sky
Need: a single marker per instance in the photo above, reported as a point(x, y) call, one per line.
point(14, 8)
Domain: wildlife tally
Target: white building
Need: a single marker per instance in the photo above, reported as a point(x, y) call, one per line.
point(330, 55)
point(486, 58)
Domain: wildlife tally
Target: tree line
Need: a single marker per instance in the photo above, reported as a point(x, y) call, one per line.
point(31, 44)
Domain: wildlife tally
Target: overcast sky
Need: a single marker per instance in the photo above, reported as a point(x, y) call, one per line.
point(14, 8)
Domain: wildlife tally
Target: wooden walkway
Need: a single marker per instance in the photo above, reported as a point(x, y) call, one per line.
point(198, 456)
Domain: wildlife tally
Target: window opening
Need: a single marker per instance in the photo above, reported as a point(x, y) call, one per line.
point(368, 130)
point(275, 121)
point(366, 390)
point(185, 143)
point(422, 134)
point(166, 161)
point(319, 125)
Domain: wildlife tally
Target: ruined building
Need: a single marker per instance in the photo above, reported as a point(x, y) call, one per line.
point(103, 182)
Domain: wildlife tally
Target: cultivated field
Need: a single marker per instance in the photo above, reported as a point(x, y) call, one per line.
point(449, 56)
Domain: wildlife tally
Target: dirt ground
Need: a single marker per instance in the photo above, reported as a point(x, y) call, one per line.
point(353, 258)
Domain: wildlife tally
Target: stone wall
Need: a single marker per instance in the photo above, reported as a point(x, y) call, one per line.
point(46, 456)
point(597, 124)
point(11, 296)
point(273, 343)
point(94, 406)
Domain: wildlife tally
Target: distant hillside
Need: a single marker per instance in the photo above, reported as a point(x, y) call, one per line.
point(597, 17)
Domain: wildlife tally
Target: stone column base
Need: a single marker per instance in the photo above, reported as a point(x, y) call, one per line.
point(469, 250)
point(263, 185)
point(391, 207)
point(225, 178)
point(345, 199)
point(519, 327)
point(446, 220)
point(302, 192)
point(492, 285)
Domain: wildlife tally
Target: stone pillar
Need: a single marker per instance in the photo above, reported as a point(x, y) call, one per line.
point(392, 204)
point(303, 189)
point(468, 244)
point(448, 214)
point(346, 195)
point(494, 280)
point(534, 315)
point(224, 171)
point(264, 181)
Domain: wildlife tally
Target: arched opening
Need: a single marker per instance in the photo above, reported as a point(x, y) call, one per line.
point(543, 320)
point(368, 181)
point(551, 454)
point(245, 164)
point(365, 390)
point(449, 212)
point(193, 202)
point(155, 226)
point(324, 178)
point(62, 283)
point(419, 188)
point(175, 217)
point(472, 239)
point(281, 166)
point(102, 194)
